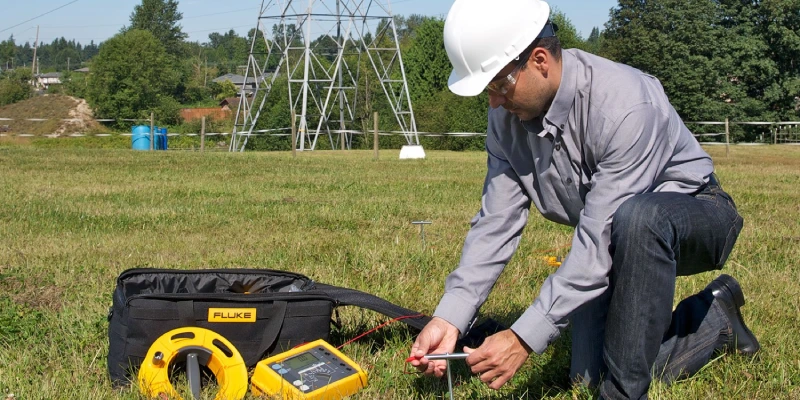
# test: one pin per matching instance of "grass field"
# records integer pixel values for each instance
(72, 219)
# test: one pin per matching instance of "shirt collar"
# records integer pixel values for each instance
(536, 126)
(565, 96)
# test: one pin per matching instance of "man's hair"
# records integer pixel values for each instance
(551, 44)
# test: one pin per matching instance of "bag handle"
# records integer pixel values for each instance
(270, 333)
(352, 297)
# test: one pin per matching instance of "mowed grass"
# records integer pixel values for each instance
(71, 220)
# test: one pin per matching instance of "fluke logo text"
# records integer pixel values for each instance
(231, 315)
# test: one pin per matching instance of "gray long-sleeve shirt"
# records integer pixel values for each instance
(610, 134)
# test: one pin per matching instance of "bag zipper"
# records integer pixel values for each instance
(137, 271)
(238, 298)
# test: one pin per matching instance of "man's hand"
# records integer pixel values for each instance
(439, 336)
(498, 358)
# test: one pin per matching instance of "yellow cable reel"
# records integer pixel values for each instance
(198, 346)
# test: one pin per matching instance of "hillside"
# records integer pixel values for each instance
(54, 109)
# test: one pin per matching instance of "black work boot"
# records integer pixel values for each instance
(728, 293)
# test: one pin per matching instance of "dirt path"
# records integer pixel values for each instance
(80, 119)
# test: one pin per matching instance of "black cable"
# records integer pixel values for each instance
(38, 16)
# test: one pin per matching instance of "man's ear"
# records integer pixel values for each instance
(541, 59)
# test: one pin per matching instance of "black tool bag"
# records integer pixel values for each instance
(261, 312)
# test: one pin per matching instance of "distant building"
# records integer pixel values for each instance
(45, 80)
(239, 82)
(84, 70)
(230, 103)
(217, 113)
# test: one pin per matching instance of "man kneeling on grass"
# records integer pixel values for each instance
(598, 146)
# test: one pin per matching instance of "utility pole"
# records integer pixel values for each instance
(67, 64)
(35, 46)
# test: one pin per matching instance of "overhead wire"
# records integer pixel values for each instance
(219, 13)
(39, 16)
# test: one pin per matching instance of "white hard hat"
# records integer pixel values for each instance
(481, 37)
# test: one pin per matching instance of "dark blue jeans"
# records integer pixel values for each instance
(631, 334)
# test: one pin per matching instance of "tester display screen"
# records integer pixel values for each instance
(301, 361)
(313, 371)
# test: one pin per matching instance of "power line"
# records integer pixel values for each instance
(219, 29)
(111, 25)
(221, 13)
(38, 16)
(79, 26)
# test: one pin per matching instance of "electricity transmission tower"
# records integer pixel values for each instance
(328, 53)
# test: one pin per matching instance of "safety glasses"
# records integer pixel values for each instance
(504, 84)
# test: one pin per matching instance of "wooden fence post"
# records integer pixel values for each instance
(375, 134)
(294, 136)
(727, 137)
(203, 135)
(775, 134)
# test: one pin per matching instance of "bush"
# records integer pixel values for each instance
(195, 126)
(197, 94)
(15, 86)
(167, 110)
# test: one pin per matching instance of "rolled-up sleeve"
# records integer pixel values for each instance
(491, 241)
(631, 155)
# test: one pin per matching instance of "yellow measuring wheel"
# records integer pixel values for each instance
(195, 346)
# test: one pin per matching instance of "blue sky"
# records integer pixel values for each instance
(86, 20)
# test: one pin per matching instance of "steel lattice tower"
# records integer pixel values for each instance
(320, 45)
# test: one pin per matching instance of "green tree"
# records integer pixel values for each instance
(89, 51)
(8, 50)
(716, 58)
(436, 108)
(15, 86)
(197, 88)
(60, 55)
(777, 22)
(224, 90)
(680, 43)
(276, 114)
(131, 77)
(226, 51)
(426, 63)
(594, 42)
(75, 84)
(24, 55)
(749, 73)
(567, 33)
(449, 113)
(160, 17)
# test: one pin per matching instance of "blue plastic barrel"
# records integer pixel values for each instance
(156, 138)
(140, 140)
(163, 142)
